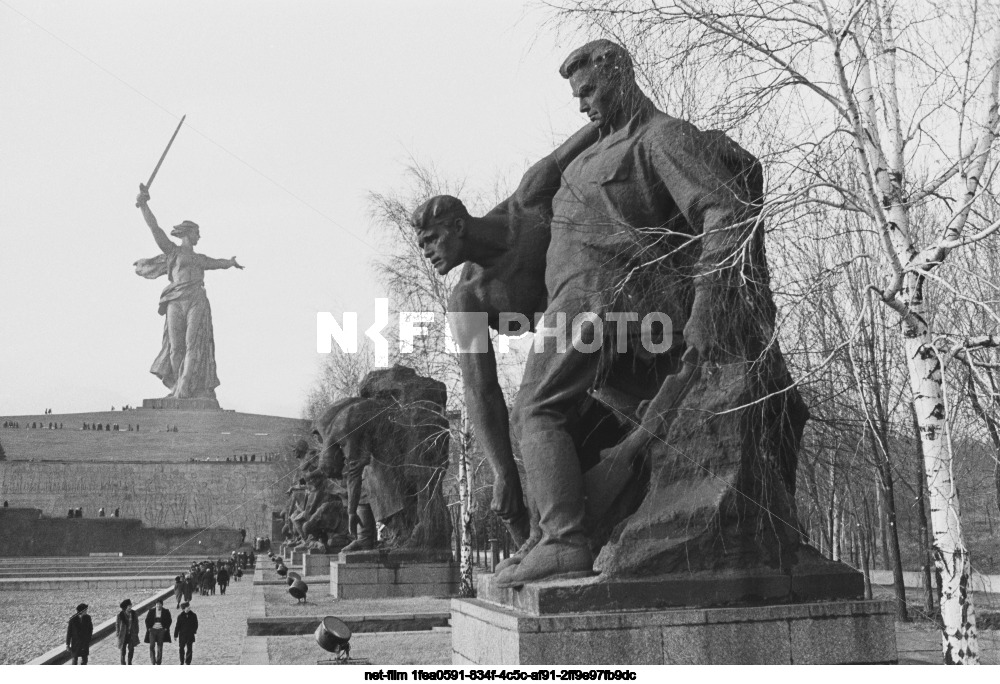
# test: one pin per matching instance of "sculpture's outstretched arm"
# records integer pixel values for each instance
(542, 180)
(487, 407)
(209, 264)
(162, 241)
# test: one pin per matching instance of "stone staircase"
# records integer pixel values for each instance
(95, 566)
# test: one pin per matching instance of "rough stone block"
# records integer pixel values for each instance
(375, 580)
(317, 564)
(844, 639)
(809, 581)
(820, 633)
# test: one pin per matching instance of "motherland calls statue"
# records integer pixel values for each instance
(695, 423)
(390, 446)
(186, 362)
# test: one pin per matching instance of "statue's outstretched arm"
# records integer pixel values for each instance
(540, 182)
(162, 241)
(208, 263)
(486, 405)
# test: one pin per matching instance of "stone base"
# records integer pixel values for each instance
(182, 404)
(821, 580)
(317, 564)
(394, 574)
(297, 557)
(835, 632)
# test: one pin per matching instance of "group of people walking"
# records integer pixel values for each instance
(108, 427)
(204, 576)
(158, 622)
(35, 425)
(78, 513)
(80, 632)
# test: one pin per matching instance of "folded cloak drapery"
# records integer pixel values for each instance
(199, 371)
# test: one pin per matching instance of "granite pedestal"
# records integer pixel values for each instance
(393, 574)
(317, 564)
(730, 617)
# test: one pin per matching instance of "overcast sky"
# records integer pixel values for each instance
(295, 111)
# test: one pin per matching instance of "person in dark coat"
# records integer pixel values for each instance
(78, 635)
(127, 631)
(184, 630)
(223, 578)
(179, 590)
(189, 587)
(158, 621)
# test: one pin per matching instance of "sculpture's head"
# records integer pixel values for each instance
(440, 223)
(187, 230)
(603, 79)
(315, 480)
(301, 448)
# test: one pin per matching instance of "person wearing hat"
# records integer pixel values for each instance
(184, 630)
(179, 589)
(186, 363)
(127, 631)
(158, 621)
(78, 635)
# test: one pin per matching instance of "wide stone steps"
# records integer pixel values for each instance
(95, 567)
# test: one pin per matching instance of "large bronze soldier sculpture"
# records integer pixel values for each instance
(504, 257)
(657, 216)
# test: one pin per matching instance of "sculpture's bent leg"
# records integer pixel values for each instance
(198, 376)
(433, 525)
(553, 385)
(176, 325)
(366, 530)
(563, 550)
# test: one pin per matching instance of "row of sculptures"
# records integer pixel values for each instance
(377, 459)
(634, 462)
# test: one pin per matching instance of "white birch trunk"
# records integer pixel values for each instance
(951, 559)
(467, 588)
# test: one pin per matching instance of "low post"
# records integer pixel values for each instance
(494, 553)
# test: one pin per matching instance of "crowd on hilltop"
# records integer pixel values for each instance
(35, 425)
(78, 513)
(204, 576)
(108, 427)
(252, 458)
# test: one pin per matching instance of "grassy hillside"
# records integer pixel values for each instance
(200, 435)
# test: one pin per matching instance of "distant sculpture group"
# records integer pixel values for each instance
(389, 449)
(653, 462)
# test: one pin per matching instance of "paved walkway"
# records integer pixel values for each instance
(222, 624)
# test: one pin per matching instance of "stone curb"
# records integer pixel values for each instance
(307, 624)
(53, 583)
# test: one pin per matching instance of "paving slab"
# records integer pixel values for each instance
(393, 648)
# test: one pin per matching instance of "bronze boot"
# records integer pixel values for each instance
(553, 469)
(529, 543)
(366, 530)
